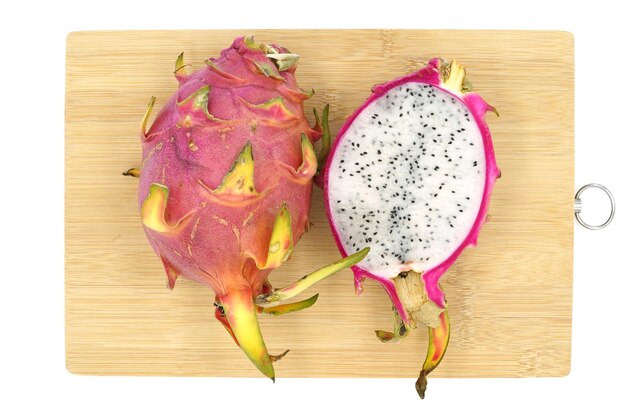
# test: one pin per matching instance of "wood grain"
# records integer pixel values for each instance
(510, 298)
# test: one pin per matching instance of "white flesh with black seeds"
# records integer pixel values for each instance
(407, 180)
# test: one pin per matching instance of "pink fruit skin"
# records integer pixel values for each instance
(478, 107)
(223, 243)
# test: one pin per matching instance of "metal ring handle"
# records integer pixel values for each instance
(578, 207)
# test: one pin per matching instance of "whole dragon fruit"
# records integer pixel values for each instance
(410, 176)
(225, 184)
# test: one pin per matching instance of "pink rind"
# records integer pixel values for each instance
(387, 284)
(478, 107)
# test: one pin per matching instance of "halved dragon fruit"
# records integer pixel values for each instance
(410, 176)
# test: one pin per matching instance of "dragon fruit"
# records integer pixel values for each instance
(410, 176)
(225, 184)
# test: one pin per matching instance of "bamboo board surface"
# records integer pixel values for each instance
(509, 298)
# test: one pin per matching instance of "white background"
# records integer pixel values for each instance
(32, 370)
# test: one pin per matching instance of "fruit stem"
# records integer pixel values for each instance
(285, 293)
(438, 338)
(240, 314)
(323, 153)
(400, 330)
(288, 308)
(132, 172)
(146, 116)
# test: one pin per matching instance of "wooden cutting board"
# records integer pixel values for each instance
(510, 298)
